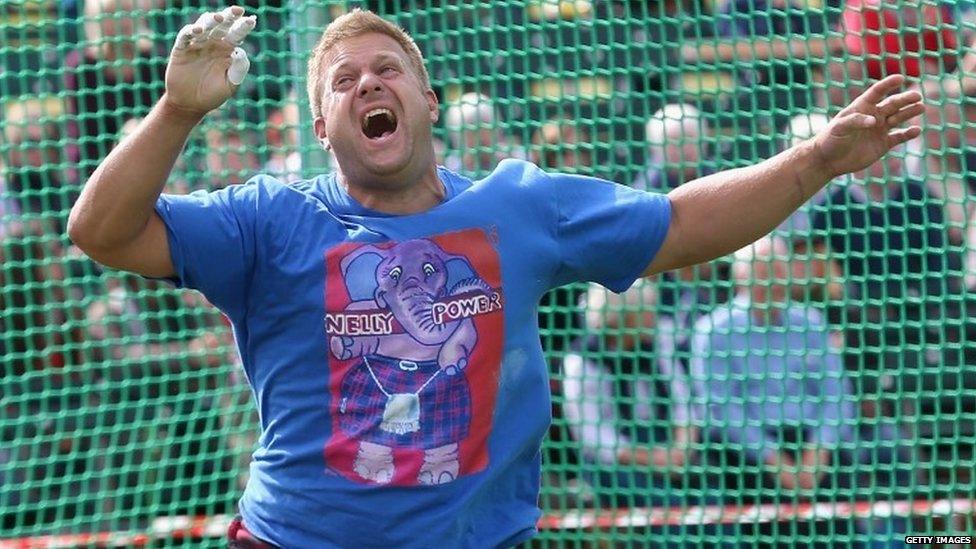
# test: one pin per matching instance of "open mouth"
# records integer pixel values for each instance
(379, 123)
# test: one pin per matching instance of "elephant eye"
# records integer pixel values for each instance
(428, 269)
(395, 273)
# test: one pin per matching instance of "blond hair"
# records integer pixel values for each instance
(357, 23)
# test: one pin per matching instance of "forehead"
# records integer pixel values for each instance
(362, 49)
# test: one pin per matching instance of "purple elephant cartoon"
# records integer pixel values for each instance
(406, 392)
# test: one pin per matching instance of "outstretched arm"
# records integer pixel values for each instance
(721, 213)
(114, 220)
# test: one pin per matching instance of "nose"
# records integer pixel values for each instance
(369, 84)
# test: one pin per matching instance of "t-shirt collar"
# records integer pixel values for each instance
(341, 202)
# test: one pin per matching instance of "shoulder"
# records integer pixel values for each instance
(517, 172)
(261, 192)
(258, 187)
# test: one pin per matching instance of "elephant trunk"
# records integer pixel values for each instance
(414, 311)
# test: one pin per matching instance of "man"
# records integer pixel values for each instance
(477, 140)
(385, 314)
(780, 411)
(676, 148)
(650, 425)
(765, 372)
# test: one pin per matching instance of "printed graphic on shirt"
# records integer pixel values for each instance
(415, 338)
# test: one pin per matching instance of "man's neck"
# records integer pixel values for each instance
(428, 192)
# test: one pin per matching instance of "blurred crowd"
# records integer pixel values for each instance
(827, 359)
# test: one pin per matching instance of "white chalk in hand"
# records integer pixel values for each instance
(240, 29)
(239, 65)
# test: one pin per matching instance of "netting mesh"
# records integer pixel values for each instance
(816, 388)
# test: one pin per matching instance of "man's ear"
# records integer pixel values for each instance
(319, 127)
(433, 105)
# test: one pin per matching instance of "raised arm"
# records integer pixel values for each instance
(114, 220)
(721, 213)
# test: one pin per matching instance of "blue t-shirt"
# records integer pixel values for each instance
(395, 360)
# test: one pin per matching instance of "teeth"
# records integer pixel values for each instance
(376, 112)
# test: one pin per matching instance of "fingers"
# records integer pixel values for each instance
(240, 29)
(892, 104)
(208, 21)
(905, 114)
(903, 135)
(187, 35)
(228, 17)
(881, 89)
(229, 23)
(857, 121)
(239, 65)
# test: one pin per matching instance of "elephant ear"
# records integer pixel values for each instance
(458, 268)
(359, 271)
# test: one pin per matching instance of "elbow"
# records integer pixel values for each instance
(84, 233)
(78, 230)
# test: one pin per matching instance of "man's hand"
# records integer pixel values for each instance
(869, 127)
(206, 66)
(804, 476)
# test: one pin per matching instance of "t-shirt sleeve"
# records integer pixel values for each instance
(211, 241)
(606, 233)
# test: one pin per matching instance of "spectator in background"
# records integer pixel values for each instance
(915, 38)
(45, 451)
(816, 276)
(888, 232)
(140, 330)
(775, 50)
(773, 391)
(946, 156)
(676, 149)
(117, 74)
(477, 141)
(771, 386)
(677, 154)
(33, 164)
(560, 144)
(282, 138)
(231, 153)
(626, 407)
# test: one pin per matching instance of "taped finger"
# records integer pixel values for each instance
(190, 35)
(232, 13)
(208, 21)
(228, 17)
(184, 37)
(239, 65)
(241, 29)
(198, 36)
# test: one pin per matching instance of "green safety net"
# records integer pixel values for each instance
(817, 388)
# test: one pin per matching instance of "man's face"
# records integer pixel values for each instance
(376, 114)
